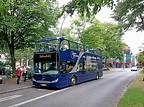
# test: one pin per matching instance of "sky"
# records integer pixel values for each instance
(132, 38)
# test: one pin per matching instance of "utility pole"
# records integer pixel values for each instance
(124, 58)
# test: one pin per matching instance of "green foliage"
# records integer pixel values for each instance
(93, 35)
(24, 54)
(104, 35)
(129, 14)
(86, 7)
(24, 21)
(1, 64)
(79, 24)
(11, 75)
(140, 58)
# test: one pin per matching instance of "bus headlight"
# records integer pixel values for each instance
(56, 80)
(33, 80)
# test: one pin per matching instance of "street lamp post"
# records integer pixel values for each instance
(124, 58)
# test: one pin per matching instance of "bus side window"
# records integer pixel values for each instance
(79, 68)
(62, 67)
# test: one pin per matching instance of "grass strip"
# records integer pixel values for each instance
(134, 96)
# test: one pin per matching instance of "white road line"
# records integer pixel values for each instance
(9, 97)
(22, 103)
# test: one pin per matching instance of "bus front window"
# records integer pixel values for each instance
(49, 68)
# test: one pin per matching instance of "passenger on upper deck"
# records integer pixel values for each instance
(41, 48)
(47, 48)
(52, 48)
(64, 47)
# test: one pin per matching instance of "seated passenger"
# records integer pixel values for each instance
(41, 48)
(64, 47)
(52, 48)
(47, 48)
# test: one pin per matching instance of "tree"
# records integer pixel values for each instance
(86, 7)
(140, 58)
(106, 36)
(129, 14)
(92, 35)
(24, 21)
(79, 24)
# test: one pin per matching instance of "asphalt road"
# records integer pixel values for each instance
(104, 92)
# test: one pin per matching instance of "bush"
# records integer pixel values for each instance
(29, 74)
(10, 75)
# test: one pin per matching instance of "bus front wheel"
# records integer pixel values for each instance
(97, 76)
(73, 80)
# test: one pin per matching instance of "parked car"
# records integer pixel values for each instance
(105, 68)
(1, 80)
(134, 68)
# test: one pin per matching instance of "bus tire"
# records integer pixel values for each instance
(97, 76)
(73, 80)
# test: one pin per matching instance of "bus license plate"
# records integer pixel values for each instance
(43, 84)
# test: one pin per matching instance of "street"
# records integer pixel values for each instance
(104, 92)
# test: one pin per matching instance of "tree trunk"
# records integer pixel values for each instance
(13, 60)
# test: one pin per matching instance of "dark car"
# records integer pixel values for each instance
(2, 70)
(1, 80)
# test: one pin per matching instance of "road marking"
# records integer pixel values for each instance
(9, 97)
(22, 103)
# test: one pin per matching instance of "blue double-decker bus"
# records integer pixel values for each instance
(59, 62)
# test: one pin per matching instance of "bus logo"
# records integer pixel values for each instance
(73, 55)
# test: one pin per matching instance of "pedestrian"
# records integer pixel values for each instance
(24, 73)
(18, 73)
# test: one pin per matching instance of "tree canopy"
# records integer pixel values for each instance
(130, 14)
(140, 58)
(24, 21)
(86, 7)
(106, 36)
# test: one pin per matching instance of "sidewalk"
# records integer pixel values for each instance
(10, 85)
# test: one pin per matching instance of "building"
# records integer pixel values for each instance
(128, 59)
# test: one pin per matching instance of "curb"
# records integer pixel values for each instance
(15, 89)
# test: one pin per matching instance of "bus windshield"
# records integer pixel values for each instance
(49, 68)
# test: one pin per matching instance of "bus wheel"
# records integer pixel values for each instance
(73, 80)
(97, 76)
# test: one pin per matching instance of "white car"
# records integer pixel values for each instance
(134, 68)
